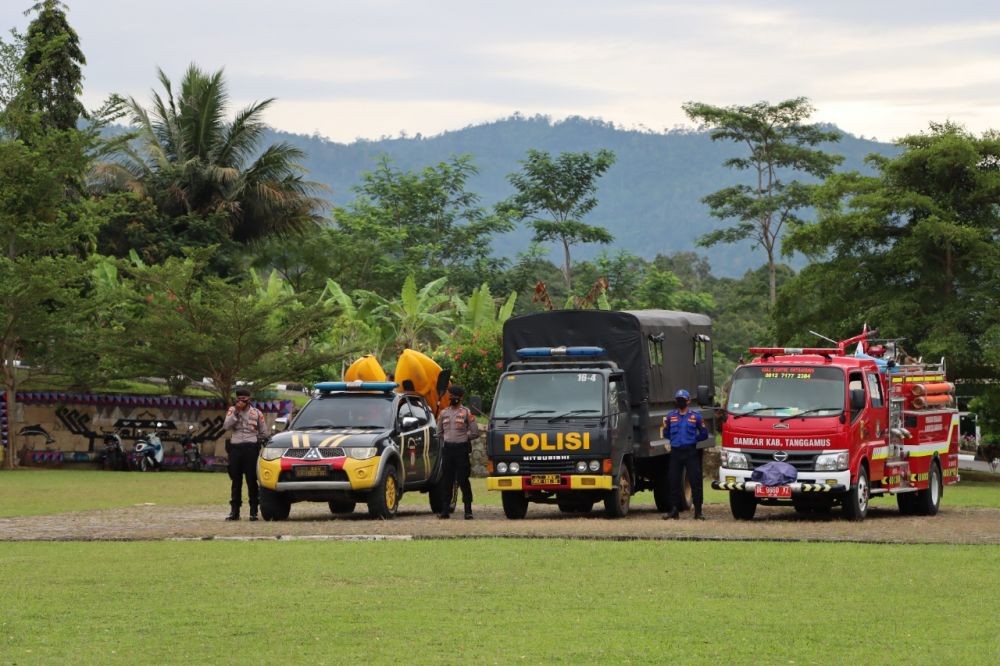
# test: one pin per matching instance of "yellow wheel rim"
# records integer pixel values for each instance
(390, 492)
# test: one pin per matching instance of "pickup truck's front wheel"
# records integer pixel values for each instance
(384, 498)
(274, 506)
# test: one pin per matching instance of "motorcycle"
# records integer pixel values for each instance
(113, 457)
(192, 453)
(148, 452)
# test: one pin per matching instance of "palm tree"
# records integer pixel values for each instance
(189, 160)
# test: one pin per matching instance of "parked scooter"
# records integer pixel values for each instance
(113, 457)
(192, 452)
(148, 452)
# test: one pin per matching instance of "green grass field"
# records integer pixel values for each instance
(498, 601)
(477, 601)
(33, 492)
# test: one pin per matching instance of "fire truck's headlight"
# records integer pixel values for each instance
(501, 468)
(515, 468)
(595, 465)
(272, 452)
(734, 460)
(832, 462)
(581, 466)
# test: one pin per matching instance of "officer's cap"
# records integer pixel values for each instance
(682, 393)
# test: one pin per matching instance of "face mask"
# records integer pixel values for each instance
(681, 403)
(456, 401)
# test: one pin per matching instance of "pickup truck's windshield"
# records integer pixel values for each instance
(786, 391)
(346, 410)
(544, 394)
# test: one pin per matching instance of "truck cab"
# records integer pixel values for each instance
(577, 413)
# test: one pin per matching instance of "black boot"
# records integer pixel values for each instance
(234, 514)
(443, 515)
(673, 514)
(253, 513)
(468, 512)
(698, 515)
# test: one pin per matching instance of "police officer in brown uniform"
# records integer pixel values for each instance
(248, 426)
(458, 429)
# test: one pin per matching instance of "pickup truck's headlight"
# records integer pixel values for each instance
(360, 452)
(272, 452)
(734, 460)
(832, 462)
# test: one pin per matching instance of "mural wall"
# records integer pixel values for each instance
(54, 427)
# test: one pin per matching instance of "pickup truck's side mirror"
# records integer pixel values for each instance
(279, 424)
(409, 423)
(703, 396)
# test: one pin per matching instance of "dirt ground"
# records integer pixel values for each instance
(313, 521)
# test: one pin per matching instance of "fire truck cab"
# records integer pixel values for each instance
(853, 427)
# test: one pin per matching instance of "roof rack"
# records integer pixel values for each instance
(329, 387)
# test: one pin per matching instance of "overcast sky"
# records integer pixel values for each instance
(370, 68)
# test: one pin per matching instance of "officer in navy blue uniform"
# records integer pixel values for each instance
(684, 429)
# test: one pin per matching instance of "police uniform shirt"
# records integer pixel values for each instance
(247, 425)
(458, 425)
(684, 429)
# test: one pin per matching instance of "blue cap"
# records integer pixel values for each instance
(682, 394)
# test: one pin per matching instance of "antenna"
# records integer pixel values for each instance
(820, 335)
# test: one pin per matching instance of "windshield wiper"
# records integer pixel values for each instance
(318, 427)
(571, 412)
(810, 411)
(528, 413)
(754, 411)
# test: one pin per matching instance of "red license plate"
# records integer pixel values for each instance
(775, 492)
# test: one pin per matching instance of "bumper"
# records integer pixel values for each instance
(567, 482)
(361, 475)
(816, 482)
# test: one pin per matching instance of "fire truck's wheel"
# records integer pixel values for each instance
(438, 496)
(341, 506)
(929, 501)
(617, 502)
(742, 505)
(515, 504)
(907, 503)
(274, 506)
(384, 498)
(856, 501)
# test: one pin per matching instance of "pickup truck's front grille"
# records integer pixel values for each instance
(329, 452)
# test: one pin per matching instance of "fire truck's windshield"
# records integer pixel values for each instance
(787, 391)
(547, 393)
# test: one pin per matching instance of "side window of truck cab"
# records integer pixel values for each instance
(874, 389)
(856, 394)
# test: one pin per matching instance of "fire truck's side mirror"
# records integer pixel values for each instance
(857, 400)
(704, 397)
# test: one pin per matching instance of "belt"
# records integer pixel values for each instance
(243, 443)
(455, 443)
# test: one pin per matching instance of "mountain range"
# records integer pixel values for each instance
(650, 199)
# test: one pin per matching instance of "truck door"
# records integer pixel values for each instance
(878, 423)
(414, 440)
(619, 421)
(857, 403)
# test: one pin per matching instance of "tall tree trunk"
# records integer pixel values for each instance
(772, 275)
(566, 267)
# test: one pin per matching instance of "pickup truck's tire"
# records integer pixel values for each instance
(742, 505)
(439, 497)
(342, 506)
(857, 498)
(515, 504)
(617, 503)
(384, 498)
(929, 501)
(274, 506)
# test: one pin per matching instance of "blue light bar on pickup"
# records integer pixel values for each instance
(327, 387)
(548, 352)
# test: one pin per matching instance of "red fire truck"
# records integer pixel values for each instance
(853, 425)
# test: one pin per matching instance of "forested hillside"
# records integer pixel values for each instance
(650, 199)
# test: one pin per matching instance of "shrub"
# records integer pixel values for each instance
(476, 362)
